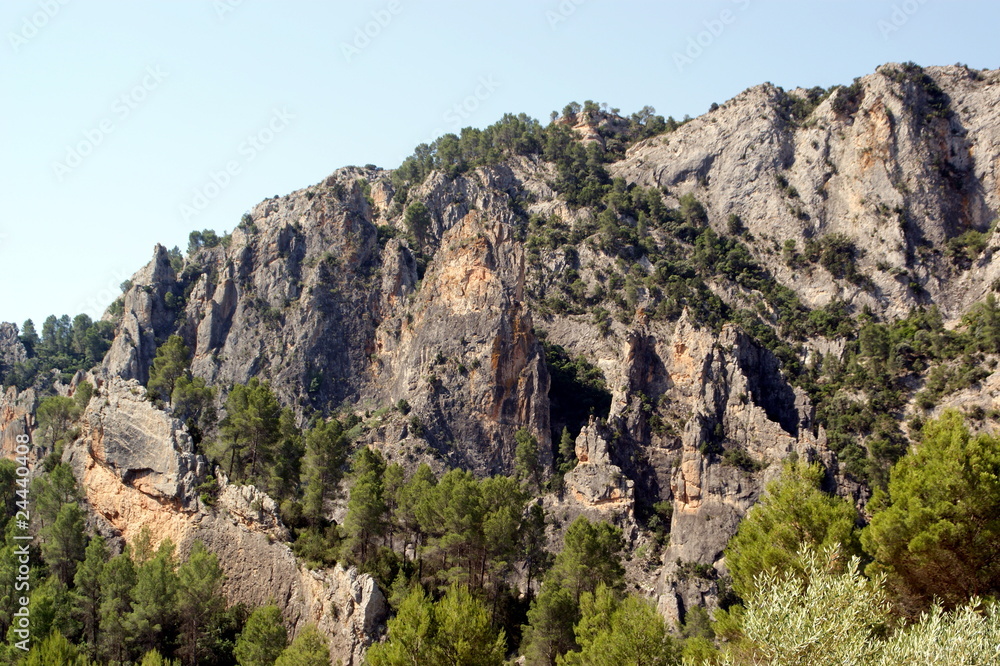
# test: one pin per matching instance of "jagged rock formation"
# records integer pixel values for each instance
(11, 349)
(595, 481)
(881, 162)
(17, 417)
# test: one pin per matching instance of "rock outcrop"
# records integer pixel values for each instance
(11, 349)
(17, 418)
(138, 469)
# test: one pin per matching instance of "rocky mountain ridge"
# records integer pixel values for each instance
(875, 198)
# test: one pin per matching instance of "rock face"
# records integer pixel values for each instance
(465, 354)
(304, 296)
(595, 481)
(146, 318)
(879, 163)
(138, 469)
(11, 349)
(17, 417)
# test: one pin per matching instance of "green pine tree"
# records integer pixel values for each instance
(935, 533)
(567, 451)
(154, 599)
(527, 467)
(365, 519)
(792, 512)
(55, 650)
(87, 582)
(326, 453)
(250, 431)
(308, 649)
(263, 638)
(590, 556)
(410, 633)
(171, 363)
(199, 603)
(64, 542)
(614, 631)
(116, 582)
(154, 658)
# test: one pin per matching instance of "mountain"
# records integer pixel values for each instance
(800, 274)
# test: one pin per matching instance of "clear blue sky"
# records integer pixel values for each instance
(115, 114)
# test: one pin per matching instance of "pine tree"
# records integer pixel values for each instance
(792, 512)
(410, 634)
(567, 451)
(263, 638)
(392, 481)
(88, 590)
(116, 581)
(64, 542)
(286, 471)
(250, 430)
(52, 491)
(533, 541)
(171, 363)
(326, 453)
(936, 533)
(549, 632)
(614, 631)
(308, 649)
(55, 650)
(455, 630)
(51, 609)
(409, 497)
(154, 658)
(154, 599)
(141, 547)
(364, 521)
(55, 414)
(527, 467)
(199, 603)
(590, 556)
(464, 631)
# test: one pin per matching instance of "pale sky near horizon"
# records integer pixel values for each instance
(118, 116)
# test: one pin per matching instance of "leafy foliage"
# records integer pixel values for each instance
(308, 649)
(65, 345)
(837, 616)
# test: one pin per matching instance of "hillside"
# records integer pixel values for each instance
(642, 320)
